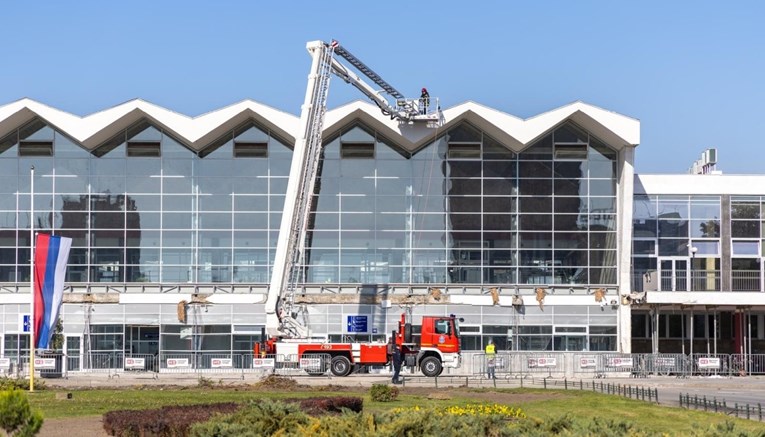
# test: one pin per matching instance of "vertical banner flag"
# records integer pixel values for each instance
(51, 255)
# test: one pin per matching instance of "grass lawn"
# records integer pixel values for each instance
(537, 403)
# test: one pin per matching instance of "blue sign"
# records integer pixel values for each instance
(26, 323)
(357, 324)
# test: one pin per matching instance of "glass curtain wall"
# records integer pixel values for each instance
(142, 207)
(465, 209)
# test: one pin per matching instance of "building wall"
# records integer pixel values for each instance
(461, 211)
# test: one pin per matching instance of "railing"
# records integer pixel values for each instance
(705, 280)
(748, 411)
(745, 280)
(699, 280)
(605, 364)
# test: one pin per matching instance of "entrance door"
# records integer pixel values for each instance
(73, 348)
(673, 274)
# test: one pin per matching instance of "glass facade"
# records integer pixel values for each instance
(463, 209)
(144, 208)
(678, 236)
(682, 238)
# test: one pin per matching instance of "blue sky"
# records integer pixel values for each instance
(692, 72)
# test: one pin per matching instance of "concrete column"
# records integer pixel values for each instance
(626, 180)
(725, 246)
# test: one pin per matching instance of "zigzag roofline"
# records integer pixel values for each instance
(198, 132)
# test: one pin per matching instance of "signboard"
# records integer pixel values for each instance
(709, 363)
(5, 363)
(588, 362)
(542, 362)
(664, 362)
(135, 363)
(357, 324)
(218, 363)
(311, 364)
(619, 362)
(263, 363)
(25, 322)
(176, 363)
(45, 363)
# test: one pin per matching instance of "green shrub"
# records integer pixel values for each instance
(723, 429)
(16, 417)
(383, 393)
(20, 384)
(263, 417)
(281, 419)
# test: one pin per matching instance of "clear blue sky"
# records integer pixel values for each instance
(692, 72)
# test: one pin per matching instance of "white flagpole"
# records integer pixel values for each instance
(32, 282)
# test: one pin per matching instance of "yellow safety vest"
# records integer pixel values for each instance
(490, 349)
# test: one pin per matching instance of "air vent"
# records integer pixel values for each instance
(357, 150)
(36, 148)
(571, 151)
(143, 149)
(464, 150)
(250, 150)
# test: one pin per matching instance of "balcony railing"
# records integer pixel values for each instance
(680, 280)
(701, 280)
(745, 280)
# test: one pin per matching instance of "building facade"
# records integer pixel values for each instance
(525, 228)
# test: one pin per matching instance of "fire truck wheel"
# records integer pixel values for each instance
(340, 366)
(431, 366)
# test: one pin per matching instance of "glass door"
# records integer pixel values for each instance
(73, 348)
(673, 273)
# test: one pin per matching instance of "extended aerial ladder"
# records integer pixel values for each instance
(281, 309)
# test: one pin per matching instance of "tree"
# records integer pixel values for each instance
(16, 417)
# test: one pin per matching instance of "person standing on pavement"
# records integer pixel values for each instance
(491, 359)
(398, 359)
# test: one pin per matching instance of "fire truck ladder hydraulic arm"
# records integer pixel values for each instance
(281, 308)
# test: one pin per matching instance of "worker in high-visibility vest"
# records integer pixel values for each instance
(491, 359)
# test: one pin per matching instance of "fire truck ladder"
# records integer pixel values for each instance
(288, 260)
(288, 270)
(404, 109)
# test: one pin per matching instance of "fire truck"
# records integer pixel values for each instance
(290, 340)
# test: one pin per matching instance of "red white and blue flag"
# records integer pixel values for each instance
(51, 255)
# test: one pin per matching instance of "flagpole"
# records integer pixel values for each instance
(32, 282)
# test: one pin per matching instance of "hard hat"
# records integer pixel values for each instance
(424, 90)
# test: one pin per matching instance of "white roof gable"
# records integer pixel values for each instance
(197, 132)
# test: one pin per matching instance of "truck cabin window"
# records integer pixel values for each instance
(442, 327)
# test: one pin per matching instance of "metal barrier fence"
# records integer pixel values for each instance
(601, 365)
(506, 364)
(744, 410)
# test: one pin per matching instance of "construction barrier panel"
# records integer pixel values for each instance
(547, 364)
